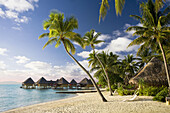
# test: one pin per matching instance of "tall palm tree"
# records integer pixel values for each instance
(61, 31)
(119, 4)
(154, 31)
(91, 39)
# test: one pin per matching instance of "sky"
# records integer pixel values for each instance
(21, 54)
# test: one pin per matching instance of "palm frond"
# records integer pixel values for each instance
(50, 41)
(119, 4)
(43, 35)
(103, 9)
(69, 46)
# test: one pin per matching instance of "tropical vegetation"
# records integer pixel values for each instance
(90, 38)
(119, 4)
(61, 31)
(154, 32)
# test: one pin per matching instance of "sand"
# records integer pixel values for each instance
(91, 103)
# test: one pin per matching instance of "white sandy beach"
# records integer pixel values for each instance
(91, 103)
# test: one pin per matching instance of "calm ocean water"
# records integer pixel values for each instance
(12, 96)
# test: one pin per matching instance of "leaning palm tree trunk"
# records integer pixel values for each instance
(165, 63)
(94, 83)
(108, 80)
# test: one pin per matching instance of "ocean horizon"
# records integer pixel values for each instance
(12, 96)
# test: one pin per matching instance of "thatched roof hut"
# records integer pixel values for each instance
(153, 74)
(42, 80)
(63, 81)
(57, 81)
(86, 83)
(73, 82)
(28, 81)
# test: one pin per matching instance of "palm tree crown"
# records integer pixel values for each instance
(154, 30)
(61, 29)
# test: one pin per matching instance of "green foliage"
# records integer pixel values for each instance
(161, 95)
(128, 92)
(149, 91)
(122, 91)
(114, 87)
(129, 86)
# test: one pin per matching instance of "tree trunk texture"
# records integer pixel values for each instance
(94, 83)
(165, 63)
(108, 80)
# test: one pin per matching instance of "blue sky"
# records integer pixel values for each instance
(21, 54)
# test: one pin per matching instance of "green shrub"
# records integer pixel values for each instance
(129, 86)
(120, 91)
(149, 91)
(161, 95)
(114, 87)
(128, 92)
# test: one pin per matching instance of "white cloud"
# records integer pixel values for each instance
(37, 69)
(21, 59)
(130, 33)
(11, 14)
(38, 65)
(116, 33)
(23, 19)
(84, 54)
(2, 65)
(120, 45)
(2, 13)
(14, 8)
(17, 28)
(103, 37)
(3, 51)
(17, 5)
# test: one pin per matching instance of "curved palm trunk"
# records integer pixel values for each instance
(94, 83)
(108, 80)
(165, 63)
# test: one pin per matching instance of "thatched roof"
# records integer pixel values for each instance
(51, 82)
(86, 81)
(29, 81)
(152, 74)
(57, 81)
(42, 80)
(63, 81)
(73, 82)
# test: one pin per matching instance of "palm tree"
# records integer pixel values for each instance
(130, 67)
(119, 4)
(91, 39)
(93, 62)
(61, 30)
(154, 31)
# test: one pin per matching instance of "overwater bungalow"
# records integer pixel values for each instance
(51, 84)
(42, 83)
(62, 83)
(28, 84)
(153, 74)
(86, 83)
(73, 84)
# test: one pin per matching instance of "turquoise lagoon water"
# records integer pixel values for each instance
(12, 96)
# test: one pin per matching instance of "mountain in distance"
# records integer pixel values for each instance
(10, 82)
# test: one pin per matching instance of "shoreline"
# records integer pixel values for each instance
(13, 109)
(92, 103)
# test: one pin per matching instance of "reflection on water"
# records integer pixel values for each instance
(12, 96)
